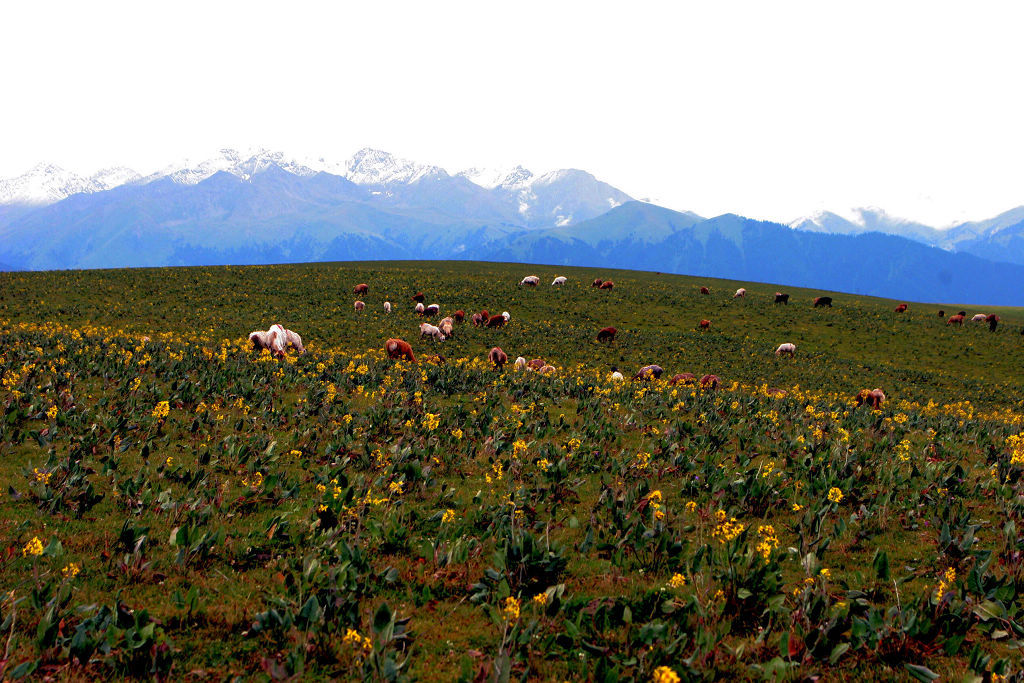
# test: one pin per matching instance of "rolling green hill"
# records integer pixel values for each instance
(177, 503)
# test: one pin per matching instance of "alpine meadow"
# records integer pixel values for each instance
(180, 505)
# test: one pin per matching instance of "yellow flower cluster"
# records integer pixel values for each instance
(664, 674)
(677, 581)
(52, 413)
(353, 637)
(544, 464)
(448, 517)
(162, 410)
(510, 609)
(540, 599)
(835, 495)
(33, 547)
(655, 500)
(947, 581)
(768, 541)
(255, 482)
(430, 421)
(71, 570)
(1015, 443)
(42, 476)
(726, 528)
(457, 433)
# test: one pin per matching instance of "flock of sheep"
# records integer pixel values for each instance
(278, 339)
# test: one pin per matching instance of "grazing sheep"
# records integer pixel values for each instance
(820, 301)
(506, 316)
(277, 339)
(597, 282)
(428, 330)
(993, 322)
(709, 382)
(496, 321)
(361, 288)
(478, 319)
(979, 318)
(704, 324)
(396, 348)
(535, 364)
(360, 305)
(786, 349)
(607, 334)
(418, 297)
(420, 308)
(530, 281)
(558, 281)
(873, 397)
(616, 376)
(446, 326)
(957, 320)
(739, 293)
(963, 313)
(498, 357)
(705, 290)
(459, 315)
(607, 284)
(901, 308)
(682, 378)
(546, 369)
(387, 306)
(648, 372)
(942, 314)
(781, 298)
(431, 310)
(520, 363)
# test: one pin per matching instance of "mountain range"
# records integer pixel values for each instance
(265, 207)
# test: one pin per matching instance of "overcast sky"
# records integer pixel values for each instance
(769, 109)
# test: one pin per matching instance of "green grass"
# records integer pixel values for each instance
(933, 469)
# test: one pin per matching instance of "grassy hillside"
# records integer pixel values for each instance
(177, 503)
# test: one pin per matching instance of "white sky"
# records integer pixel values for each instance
(769, 109)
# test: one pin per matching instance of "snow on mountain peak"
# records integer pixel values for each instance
(44, 184)
(515, 178)
(375, 167)
(115, 176)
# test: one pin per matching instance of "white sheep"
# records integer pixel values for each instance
(560, 280)
(506, 316)
(277, 339)
(979, 318)
(387, 306)
(739, 292)
(419, 308)
(530, 281)
(520, 363)
(447, 325)
(428, 330)
(786, 349)
(360, 305)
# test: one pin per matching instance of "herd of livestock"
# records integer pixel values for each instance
(278, 339)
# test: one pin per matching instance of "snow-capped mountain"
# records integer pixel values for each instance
(867, 219)
(241, 164)
(44, 184)
(490, 178)
(115, 176)
(375, 167)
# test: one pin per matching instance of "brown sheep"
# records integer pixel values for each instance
(431, 310)
(901, 308)
(682, 378)
(705, 324)
(606, 334)
(993, 322)
(781, 298)
(418, 297)
(360, 305)
(477, 319)
(648, 372)
(607, 284)
(820, 301)
(459, 315)
(957, 320)
(362, 288)
(705, 290)
(873, 397)
(597, 282)
(498, 357)
(396, 348)
(942, 314)
(535, 364)
(709, 382)
(496, 321)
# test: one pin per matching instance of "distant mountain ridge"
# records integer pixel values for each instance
(265, 207)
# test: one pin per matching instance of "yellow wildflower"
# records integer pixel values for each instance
(33, 547)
